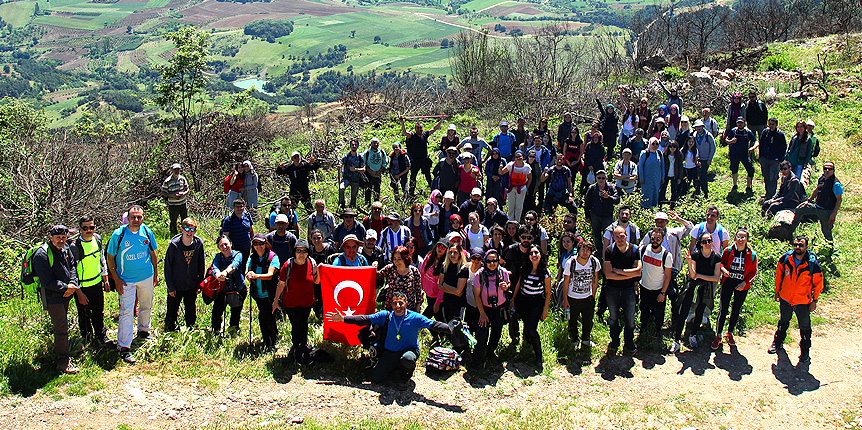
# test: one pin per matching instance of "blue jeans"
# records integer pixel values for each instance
(621, 300)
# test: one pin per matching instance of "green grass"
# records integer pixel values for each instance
(17, 14)
(477, 5)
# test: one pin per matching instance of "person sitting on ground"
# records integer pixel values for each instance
(791, 193)
(825, 201)
(400, 345)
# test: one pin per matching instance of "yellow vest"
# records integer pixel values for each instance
(90, 266)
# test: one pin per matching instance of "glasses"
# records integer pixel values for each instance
(494, 261)
(259, 244)
(706, 242)
(532, 156)
(301, 251)
(654, 144)
(411, 246)
(453, 252)
(526, 237)
(799, 245)
(784, 169)
(529, 219)
(191, 229)
(825, 168)
(239, 205)
(90, 228)
(416, 211)
(285, 205)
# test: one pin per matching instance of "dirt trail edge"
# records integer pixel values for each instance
(742, 389)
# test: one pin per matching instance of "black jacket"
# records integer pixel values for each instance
(596, 205)
(55, 279)
(184, 268)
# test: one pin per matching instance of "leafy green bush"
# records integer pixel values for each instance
(781, 60)
(672, 73)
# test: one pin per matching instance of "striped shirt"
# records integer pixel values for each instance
(534, 283)
(389, 239)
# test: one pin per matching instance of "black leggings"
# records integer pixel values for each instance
(298, 325)
(581, 310)
(219, 306)
(530, 307)
(266, 319)
(728, 293)
(684, 306)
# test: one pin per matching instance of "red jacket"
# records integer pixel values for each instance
(236, 185)
(798, 284)
(749, 261)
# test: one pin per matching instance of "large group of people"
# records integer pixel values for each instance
(478, 250)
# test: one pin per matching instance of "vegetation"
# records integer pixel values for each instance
(269, 29)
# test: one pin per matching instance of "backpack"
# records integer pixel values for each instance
(78, 253)
(563, 290)
(719, 230)
(290, 266)
(112, 286)
(29, 280)
(558, 180)
(445, 359)
(273, 208)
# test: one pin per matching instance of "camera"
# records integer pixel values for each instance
(492, 300)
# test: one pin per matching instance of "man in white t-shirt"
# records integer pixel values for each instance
(581, 281)
(720, 236)
(657, 268)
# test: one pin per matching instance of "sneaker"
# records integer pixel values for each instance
(692, 340)
(588, 344)
(729, 339)
(126, 355)
(749, 190)
(716, 343)
(69, 368)
(143, 335)
(773, 348)
(630, 350)
(675, 347)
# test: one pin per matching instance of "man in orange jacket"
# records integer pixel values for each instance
(798, 283)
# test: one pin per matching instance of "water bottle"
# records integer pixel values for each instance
(470, 339)
(568, 314)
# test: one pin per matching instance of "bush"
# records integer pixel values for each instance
(777, 61)
(671, 73)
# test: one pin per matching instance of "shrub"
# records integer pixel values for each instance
(671, 73)
(781, 60)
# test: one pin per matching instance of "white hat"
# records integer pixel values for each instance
(294, 154)
(449, 195)
(661, 215)
(476, 190)
(452, 127)
(374, 139)
(699, 123)
(810, 122)
(371, 234)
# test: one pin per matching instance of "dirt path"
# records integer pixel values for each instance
(743, 389)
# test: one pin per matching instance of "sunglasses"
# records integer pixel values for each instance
(191, 229)
(494, 261)
(90, 228)
(301, 251)
(535, 253)
(704, 242)
(526, 237)
(601, 178)
(798, 245)
(828, 168)
(784, 169)
(259, 243)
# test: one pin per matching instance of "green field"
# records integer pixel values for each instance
(17, 14)
(477, 5)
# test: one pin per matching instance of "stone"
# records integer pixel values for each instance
(731, 73)
(724, 83)
(704, 69)
(697, 79)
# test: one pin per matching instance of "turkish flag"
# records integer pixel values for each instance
(348, 291)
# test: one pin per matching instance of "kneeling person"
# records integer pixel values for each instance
(401, 341)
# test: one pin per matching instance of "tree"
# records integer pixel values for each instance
(181, 88)
(377, 39)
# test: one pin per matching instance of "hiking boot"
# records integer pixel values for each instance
(716, 343)
(729, 339)
(675, 347)
(630, 350)
(773, 348)
(749, 190)
(126, 355)
(614, 345)
(143, 335)
(588, 344)
(804, 358)
(692, 341)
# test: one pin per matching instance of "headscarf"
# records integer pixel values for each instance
(432, 198)
(673, 118)
(662, 110)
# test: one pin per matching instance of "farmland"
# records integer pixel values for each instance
(84, 35)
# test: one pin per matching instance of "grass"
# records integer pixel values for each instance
(17, 14)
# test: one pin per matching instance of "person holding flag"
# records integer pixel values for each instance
(399, 338)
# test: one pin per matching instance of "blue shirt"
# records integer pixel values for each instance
(258, 291)
(291, 217)
(505, 143)
(238, 230)
(133, 254)
(360, 261)
(222, 263)
(402, 332)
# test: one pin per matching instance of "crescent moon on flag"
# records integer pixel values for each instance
(348, 284)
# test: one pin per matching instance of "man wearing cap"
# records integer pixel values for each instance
(626, 172)
(348, 225)
(286, 208)
(54, 264)
(376, 161)
(321, 219)
(373, 253)
(375, 220)
(815, 142)
(174, 190)
(281, 240)
(393, 236)
(493, 215)
(477, 144)
(447, 171)
(772, 145)
(132, 262)
(705, 143)
(741, 143)
(297, 171)
(560, 188)
(505, 141)
(350, 255)
(473, 204)
(416, 145)
(399, 167)
(185, 266)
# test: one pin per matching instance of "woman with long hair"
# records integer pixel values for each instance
(573, 151)
(320, 251)
(512, 235)
(800, 149)
(704, 268)
(419, 228)
(429, 269)
(262, 282)
(296, 283)
(738, 268)
(452, 280)
(534, 190)
(629, 124)
(489, 287)
(477, 234)
(533, 297)
(226, 268)
(593, 159)
(400, 276)
(689, 165)
(412, 251)
(684, 134)
(673, 173)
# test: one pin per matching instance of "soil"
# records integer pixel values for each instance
(730, 388)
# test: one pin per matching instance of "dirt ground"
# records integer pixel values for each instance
(739, 388)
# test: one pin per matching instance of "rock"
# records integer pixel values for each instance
(770, 94)
(222, 407)
(697, 79)
(714, 73)
(780, 226)
(724, 76)
(297, 420)
(704, 69)
(724, 83)
(731, 73)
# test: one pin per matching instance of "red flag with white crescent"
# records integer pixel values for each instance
(348, 291)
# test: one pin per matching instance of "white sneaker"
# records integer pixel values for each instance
(588, 344)
(677, 345)
(692, 340)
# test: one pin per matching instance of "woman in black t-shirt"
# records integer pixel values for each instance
(704, 268)
(532, 298)
(451, 280)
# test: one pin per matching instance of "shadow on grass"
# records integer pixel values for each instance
(734, 363)
(735, 197)
(24, 379)
(796, 380)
